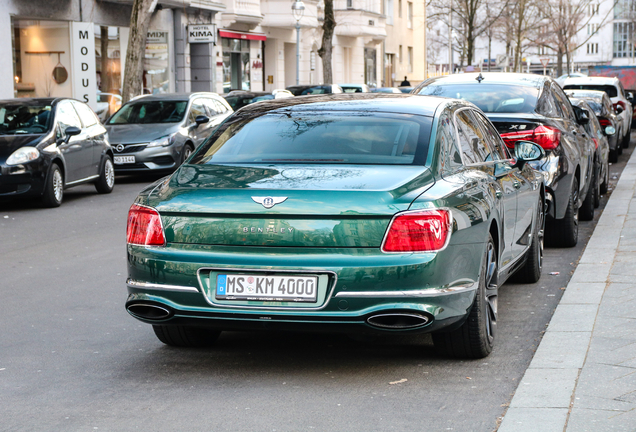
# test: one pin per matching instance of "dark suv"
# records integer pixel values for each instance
(525, 107)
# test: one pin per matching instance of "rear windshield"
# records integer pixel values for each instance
(609, 89)
(490, 98)
(19, 119)
(318, 137)
(147, 112)
(315, 91)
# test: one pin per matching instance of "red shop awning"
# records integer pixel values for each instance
(242, 35)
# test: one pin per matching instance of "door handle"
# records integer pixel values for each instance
(516, 184)
(498, 194)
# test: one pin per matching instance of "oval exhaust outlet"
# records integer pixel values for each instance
(148, 311)
(398, 321)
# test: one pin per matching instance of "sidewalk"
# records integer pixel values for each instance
(583, 375)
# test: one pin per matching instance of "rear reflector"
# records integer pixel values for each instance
(144, 227)
(418, 231)
(605, 121)
(547, 137)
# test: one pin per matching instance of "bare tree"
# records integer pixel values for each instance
(325, 51)
(142, 11)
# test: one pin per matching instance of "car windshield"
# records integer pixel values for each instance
(18, 119)
(319, 137)
(490, 98)
(262, 98)
(609, 89)
(315, 91)
(147, 112)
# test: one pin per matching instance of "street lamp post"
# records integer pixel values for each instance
(298, 9)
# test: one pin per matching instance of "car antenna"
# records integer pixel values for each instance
(479, 78)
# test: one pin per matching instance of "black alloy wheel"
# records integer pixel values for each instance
(565, 232)
(475, 338)
(531, 270)
(604, 186)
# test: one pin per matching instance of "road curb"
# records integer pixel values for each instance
(549, 395)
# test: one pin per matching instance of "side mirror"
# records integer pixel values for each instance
(582, 117)
(201, 119)
(526, 151)
(610, 130)
(71, 131)
(630, 97)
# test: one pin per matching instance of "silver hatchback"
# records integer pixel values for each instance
(159, 132)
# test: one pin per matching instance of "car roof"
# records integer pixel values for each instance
(357, 102)
(591, 80)
(36, 101)
(530, 80)
(174, 96)
(352, 85)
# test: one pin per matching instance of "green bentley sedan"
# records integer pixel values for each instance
(379, 213)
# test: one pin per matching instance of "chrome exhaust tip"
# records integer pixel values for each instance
(148, 311)
(398, 321)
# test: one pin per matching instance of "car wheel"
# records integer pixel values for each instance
(605, 184)
(613, 156)
(627, 139)
(565, 232)
(586, 212)
(187, 151)
(185, 336)
(106, 181)
(475, 338)
(597, 186)
(531, 270)
(54, 189)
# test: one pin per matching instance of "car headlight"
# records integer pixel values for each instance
(23, 155)
(164, 141)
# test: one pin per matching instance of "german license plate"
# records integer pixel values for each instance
(120, 160)
(267, 288)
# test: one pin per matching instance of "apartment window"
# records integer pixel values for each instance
(624, 9)
(592, 48)
(349, 4)
(592, 28)
(410, 50)
(592, 9)
(399, 8)
(542, 51)
(388, 11)
(623, 45)
(400, 53)
(409, 11)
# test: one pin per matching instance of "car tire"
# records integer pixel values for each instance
(106, 181)
(565, 232)
(54, 188)
(597, 187)
(613, 155)
(475, 338)
(187, 151)
(603, 187)
(186, 336)
(626, 139)
(586, 212)
(531, 270)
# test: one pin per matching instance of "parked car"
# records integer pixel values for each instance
(386, 90)
(560, 80)
(341, 213)
(159, 132)
(614, 89)
(51, 144)
(355, 88)
(302, 90)
(601, 105)
(534, 108)
(406, 89)
(107, 104)
(600, 179)
(239, 98)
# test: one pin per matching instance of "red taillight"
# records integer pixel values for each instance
(622, 104)
(547, 137)
(144, 227)
(595, 142)
(418, 231)
(605, 121)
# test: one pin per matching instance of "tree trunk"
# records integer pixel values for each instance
(559, 62)
(104, 72)
(133, 74)
(326, 49)
(489, 48)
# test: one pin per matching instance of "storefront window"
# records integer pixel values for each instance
(236, 64)
(41, 58)
(156, 68)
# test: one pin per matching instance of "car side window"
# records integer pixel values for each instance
(546, 105)
(493, 140)
(196, 110)
(66, 117)
(450, 158)
(222, 109)
(211, 106)
(86, 114)
(563, 102)
(470, 137)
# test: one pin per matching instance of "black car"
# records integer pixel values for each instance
(313, 89)
(525, 107)
(601, 104)
(50, 144)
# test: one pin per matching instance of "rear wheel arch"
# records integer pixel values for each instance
(494, 232)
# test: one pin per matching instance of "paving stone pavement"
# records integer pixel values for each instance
(583, 375)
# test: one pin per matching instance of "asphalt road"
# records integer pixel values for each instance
(72, 359)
